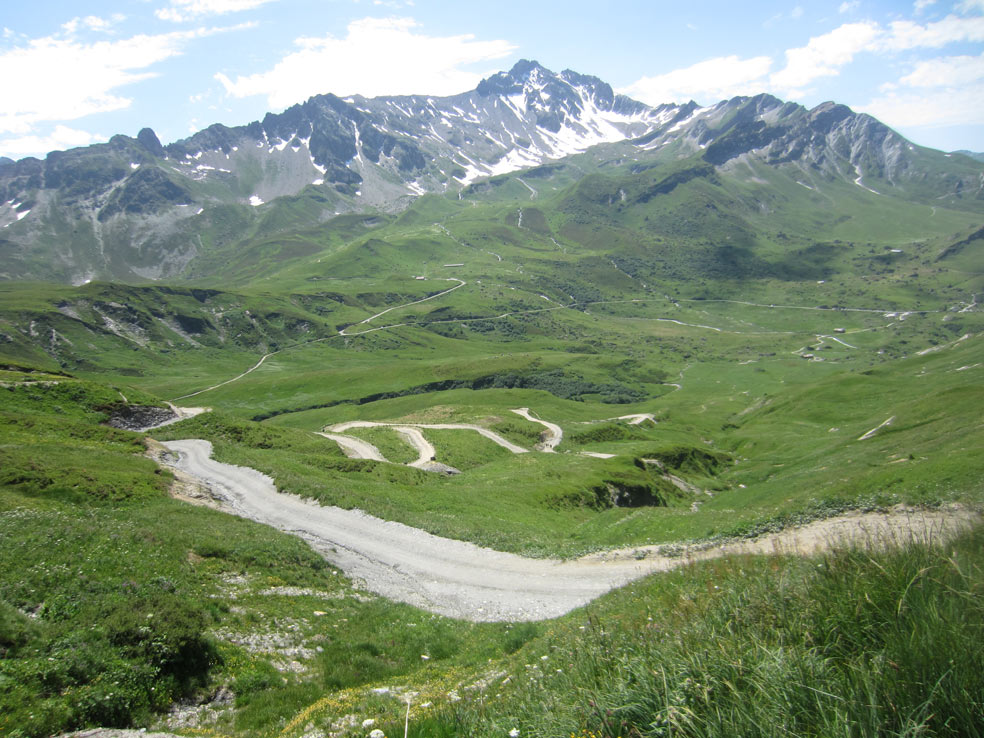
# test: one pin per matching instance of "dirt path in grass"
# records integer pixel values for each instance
(491, 435)
(461, 283)
(552, 437)
(252, 369)
(554, 433)
(355, 448)
(462, 580)
(343, 332)
(425, 451)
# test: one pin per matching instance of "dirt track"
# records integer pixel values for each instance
(425, 450)
(462, 580)
(355, 448)
(491, 435)
(552, 436)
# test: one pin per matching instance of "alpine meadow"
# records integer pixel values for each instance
(533, 410)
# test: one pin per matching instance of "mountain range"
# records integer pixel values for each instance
(135, 210)
(538, 317)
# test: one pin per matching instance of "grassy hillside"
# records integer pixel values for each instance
(105, 623)
(793, 348)
(116, 600)
(858, 643)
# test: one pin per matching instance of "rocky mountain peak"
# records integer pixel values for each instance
(826, 115)
(148, 139)
(524, 75)
(107, 202)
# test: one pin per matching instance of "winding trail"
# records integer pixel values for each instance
(229, 381)
(877, 428)
(491, 435)
(809, 307)
(347, 332)
(462, 580)
(344, 331)
(835, 338)
(554, 433)
(533, 193)
(427, 454)
(355, 448)
(425, 451)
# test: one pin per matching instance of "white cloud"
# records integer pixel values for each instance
(62, 137)
(919, 98)
(59, 78)
(921, 5)
(184, 10)
(940, 107)
(796, 12)
(823, 56)
(828, 54)
(379, 56)
(92, 23)
(904, 35)
(847, 7)
(969, 6)
(946, 91)
(947, 71)
(710, 80)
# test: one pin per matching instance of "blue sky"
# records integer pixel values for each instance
(76, 73)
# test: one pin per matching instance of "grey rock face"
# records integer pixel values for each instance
(133, 209)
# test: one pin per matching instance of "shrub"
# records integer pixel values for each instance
(166, 632)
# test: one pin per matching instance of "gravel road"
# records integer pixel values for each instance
(554, 433)
(491, 435)
(462, 580)
(355, 448)
(425, 450)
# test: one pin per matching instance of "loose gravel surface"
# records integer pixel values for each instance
(425, 450)
(462, 580)
(552, 436)
(485, 432)
(355, 448)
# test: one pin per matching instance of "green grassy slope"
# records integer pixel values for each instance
(767, 321)
(116, 600)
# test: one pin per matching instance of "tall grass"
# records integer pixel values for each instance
(855, 644)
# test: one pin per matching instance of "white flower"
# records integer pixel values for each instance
(514, 733)
(377, 733)
(368, 723)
